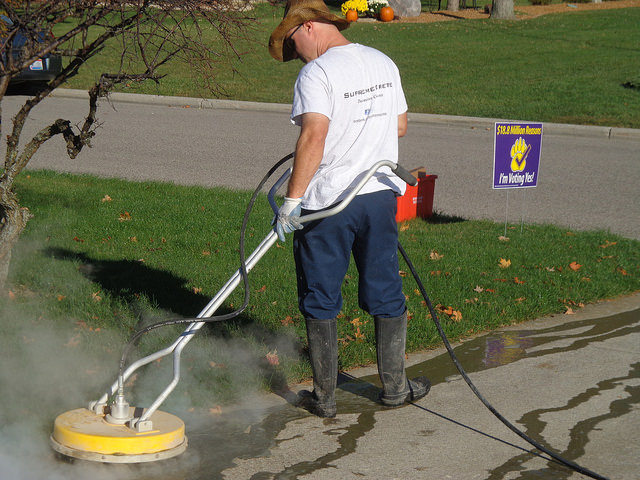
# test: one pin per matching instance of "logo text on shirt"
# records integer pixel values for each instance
(366, 91)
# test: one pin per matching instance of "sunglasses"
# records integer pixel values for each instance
(288, 41)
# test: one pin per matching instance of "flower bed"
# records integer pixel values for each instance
(365, 8)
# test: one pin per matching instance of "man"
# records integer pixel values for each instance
(349, 104)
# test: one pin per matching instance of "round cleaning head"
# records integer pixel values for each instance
(86, 435)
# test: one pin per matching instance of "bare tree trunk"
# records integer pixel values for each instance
(453, 5)
(502, 10)
(13, 220)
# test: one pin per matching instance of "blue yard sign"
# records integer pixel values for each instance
(516, 158)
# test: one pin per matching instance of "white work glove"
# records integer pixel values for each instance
(288, 217)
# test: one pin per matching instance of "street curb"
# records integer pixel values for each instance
(613, 133)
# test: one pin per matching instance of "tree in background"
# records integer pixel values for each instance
(502, 10)
(148, 33)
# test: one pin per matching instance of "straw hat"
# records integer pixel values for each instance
(296, 13)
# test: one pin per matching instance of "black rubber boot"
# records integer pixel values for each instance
(323, 353)
(391, 337)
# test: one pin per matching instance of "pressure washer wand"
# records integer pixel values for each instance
(207, 314)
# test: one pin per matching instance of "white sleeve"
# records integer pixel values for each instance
(311, 94)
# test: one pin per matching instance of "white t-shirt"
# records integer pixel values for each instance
(355, 87)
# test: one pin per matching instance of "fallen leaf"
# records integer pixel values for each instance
(550, 269)
(356, 322)
(608, 244)
(216, 365)
(359, 336)
(622, 271)
(471, 300)
(96, 297)
(12, 296)
(490, 290)
(61, 297)
(206, 253)
(288, 320)
(478, 289)
(404, 227)
(124, 217)
(133, 239)
(73, 341)
(272, 357)
(456, 316)
(444, 309)
(77, 239)
(435, 256)
(217, 410)
(571, 234)
(521, 299)
(502, 238)
(197, 290)
(504, 263)
(518, 281)
(262, 288)
(569, 311)
(402, 273)
(106, 198)
(574, 266)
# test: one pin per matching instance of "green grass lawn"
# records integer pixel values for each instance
(564, 68)
(101, 258)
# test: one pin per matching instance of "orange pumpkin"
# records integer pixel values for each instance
(386, 14)
(352, 15)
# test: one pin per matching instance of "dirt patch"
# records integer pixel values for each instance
(522, 12)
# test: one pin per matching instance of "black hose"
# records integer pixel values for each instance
(513, 428)
(243, 273)
(242, 308)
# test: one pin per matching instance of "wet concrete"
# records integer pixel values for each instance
(571, 384)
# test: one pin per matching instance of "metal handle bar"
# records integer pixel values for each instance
(400, 171)
(178, 345)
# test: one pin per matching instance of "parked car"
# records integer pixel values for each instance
(43, 69)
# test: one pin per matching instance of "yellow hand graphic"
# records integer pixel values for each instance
(519, 153)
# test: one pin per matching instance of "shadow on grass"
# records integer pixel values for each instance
(130, 280)
(441, 218)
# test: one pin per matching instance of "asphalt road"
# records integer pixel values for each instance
(588, 176)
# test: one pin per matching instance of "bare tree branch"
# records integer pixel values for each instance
(148, 34)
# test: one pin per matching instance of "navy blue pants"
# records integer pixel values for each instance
(322, 250)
